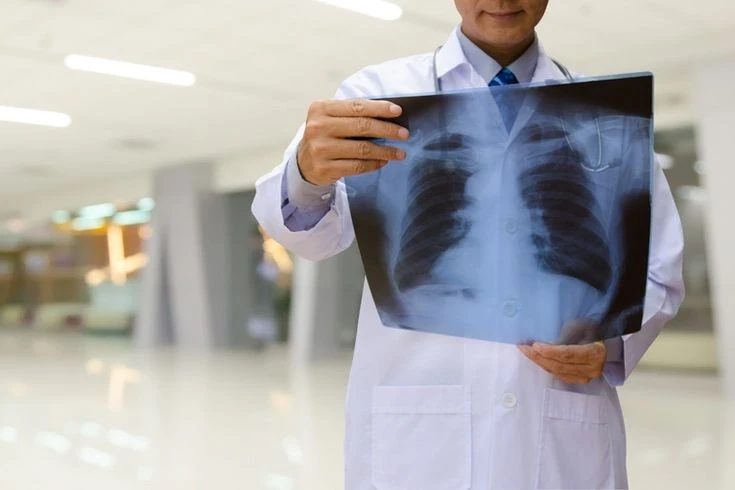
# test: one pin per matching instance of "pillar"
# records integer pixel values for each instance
(715, 115)
(196, 290)
(325, 306)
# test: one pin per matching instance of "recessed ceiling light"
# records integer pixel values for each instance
(147, 204)
(380, 9)
(130, 70)
(33, 116)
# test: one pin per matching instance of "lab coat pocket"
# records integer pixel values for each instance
(575, 446)
(421, 438)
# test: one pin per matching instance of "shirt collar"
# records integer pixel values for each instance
(459, 51)
(450, 56)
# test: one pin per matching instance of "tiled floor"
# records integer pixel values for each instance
(83, 413)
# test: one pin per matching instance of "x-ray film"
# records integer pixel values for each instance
(521, 214)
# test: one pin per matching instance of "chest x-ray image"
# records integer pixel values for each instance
(521, 214)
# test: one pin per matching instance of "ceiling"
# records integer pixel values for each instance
(259, 64)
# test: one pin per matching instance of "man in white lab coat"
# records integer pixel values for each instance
(436, 412)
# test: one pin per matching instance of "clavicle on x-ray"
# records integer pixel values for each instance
(533, 227)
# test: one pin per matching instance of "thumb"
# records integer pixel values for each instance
(579, 332)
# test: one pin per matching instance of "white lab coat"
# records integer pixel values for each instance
(432, 412)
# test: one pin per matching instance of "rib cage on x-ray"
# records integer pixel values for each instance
(518, 235)
(567, 234)
(434, 221)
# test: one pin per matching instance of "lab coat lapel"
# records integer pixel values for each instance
(546, 71)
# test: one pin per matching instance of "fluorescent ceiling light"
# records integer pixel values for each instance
(98, 211)
(32, 116)
(130, 70)
(380, 9)
(87, 224)
(134, 217)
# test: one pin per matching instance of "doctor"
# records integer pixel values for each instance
(431, 412)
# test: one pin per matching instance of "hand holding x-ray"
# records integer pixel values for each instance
(577, 358)
(573, 364)
(335, 142)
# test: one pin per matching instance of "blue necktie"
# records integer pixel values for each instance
(508, 110)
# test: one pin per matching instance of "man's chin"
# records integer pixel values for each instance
(504, 36)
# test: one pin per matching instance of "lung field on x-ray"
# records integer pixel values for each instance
(545, 217)
(567, 233)
(434, 221)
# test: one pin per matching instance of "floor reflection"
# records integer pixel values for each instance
(88, 413)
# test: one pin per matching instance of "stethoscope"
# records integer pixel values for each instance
(567, 74)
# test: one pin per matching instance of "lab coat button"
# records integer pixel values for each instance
(510, 309)
(511, 226)
(509, 400)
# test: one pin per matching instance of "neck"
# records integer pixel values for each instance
(504, 54)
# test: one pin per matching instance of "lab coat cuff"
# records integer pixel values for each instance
(614, 371)
(614, 349)
(304, 195)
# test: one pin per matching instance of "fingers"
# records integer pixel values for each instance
(567, 372)
(346, 168)
(568, 354)
(365, 127)
(590, 357)
(586, 359)
(552, 365)
(336, 169)
(341, 149)
(358, 108)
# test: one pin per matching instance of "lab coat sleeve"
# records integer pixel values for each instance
(331, 234)
(665, 286)
(303, 204)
